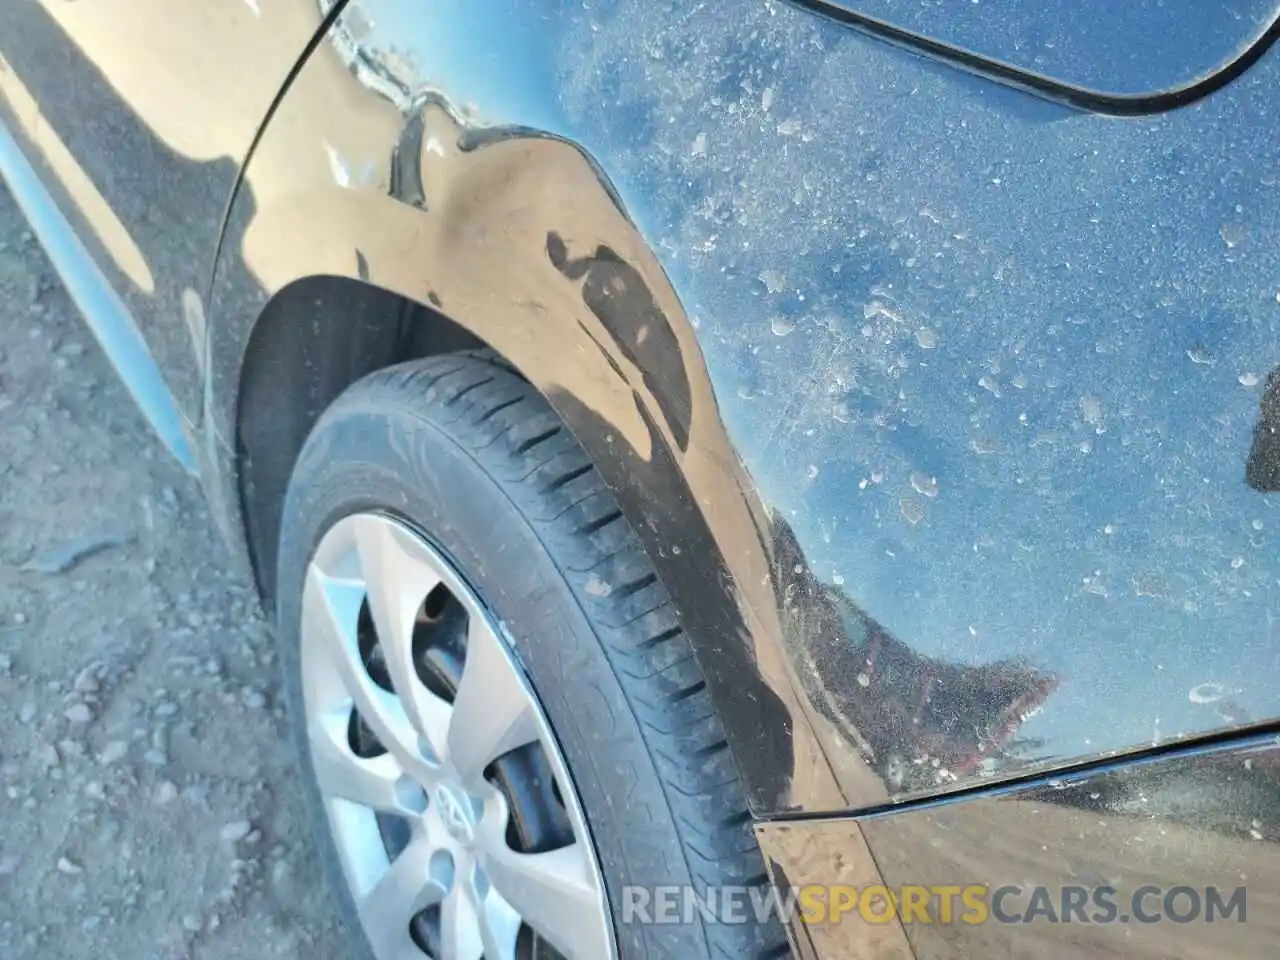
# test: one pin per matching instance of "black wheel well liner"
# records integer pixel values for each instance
(312, 340)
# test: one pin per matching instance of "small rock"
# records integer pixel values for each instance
(155, 757)
(6, 664)
(196, 793)
(46, 754)
(78, 713)
(166, 709)
(62, 557)
(192, 923)
(27, 712)
(69, 867)
(8, 864)
(253, 698)
(280, 873)
(235, 831)
(113, 751)
(87, 680)
(166, 792)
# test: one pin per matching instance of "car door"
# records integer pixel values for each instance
(128, 122)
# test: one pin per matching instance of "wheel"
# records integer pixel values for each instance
(507, 742)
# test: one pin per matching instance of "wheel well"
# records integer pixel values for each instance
(313, 339)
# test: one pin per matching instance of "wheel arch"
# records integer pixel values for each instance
(518, 242)
(313, 339)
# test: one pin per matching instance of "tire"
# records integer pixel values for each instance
(473, 457)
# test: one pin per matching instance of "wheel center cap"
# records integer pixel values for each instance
(456, 814)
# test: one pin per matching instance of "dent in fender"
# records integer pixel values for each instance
(925, 424)
(518, 237)
(582, 309)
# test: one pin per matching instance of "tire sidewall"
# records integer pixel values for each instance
(388, 458)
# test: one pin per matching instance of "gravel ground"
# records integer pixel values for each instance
(149, 806)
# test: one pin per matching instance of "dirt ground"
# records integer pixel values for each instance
(149, 806)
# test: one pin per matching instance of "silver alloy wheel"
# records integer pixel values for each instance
(457, 859)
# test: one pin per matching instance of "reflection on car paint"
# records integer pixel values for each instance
(940, 408)
(971, 444)
(1196, 818)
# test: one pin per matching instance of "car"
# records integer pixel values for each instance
(749, 479)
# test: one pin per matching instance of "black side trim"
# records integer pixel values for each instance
(1255, 735)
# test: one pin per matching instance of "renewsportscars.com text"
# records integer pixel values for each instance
(937, 904)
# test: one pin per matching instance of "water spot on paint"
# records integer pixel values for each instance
(912, 510)
(1206, 693)
(924, 484)
(1233, 234)
(774, 280)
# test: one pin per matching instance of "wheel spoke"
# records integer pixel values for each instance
(332, 619)
(398, 581)
(457, 859)
(553, 893)
(499, 928)
(375, 782)
(492, 712)
(460, 937)
(406, 888)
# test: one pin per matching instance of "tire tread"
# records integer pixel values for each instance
(512, 432)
